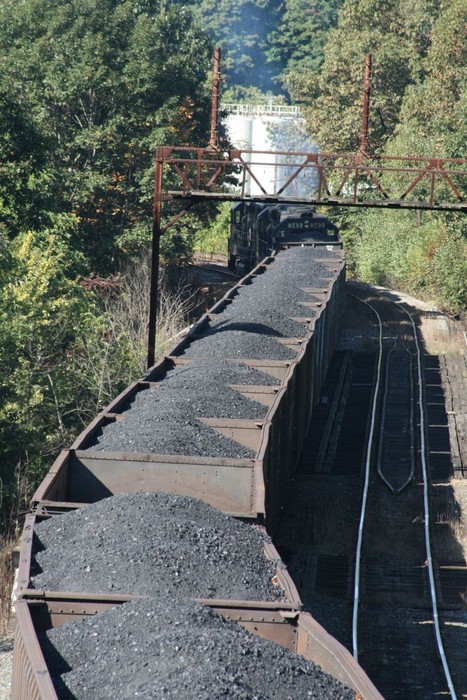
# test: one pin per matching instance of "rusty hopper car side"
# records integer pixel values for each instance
(294, 630)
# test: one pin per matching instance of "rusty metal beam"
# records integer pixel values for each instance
(156, 236)
(340, 179)
(197, 197)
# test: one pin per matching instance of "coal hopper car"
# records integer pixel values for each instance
(212, 434)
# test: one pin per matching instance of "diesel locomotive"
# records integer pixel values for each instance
(257, 228)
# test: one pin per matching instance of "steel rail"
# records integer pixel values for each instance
(166, 152)
(228, 273)
(431, 575)
(423, 452)
(358, 555)
(383, 418)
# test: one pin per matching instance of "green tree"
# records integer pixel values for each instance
(242, 29)
(213, 239)
(297, 42)
(104, 83)
(434, 112)
(333, 95)
(42, 309)
(25, 183)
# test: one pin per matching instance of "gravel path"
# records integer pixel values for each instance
(153, 544)
(177, 650)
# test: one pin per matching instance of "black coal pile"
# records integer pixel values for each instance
(165, 420)
(263, 311)
(252, 341)
(153, 544)
(305, 252)
(263, 321)
(253, 309)
(178, 434)
(168, 649)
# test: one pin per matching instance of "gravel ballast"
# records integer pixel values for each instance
(153, 544)
(168, 649)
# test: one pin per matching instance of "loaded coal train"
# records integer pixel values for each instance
(169, 499)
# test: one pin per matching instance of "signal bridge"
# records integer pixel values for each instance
(332, 179)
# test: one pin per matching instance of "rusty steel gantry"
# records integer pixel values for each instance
(361, 179)
(335, 179)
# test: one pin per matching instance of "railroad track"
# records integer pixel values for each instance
(398, 397)
(396, 448)
(381, 597)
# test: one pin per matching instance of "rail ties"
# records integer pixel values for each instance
(440, 457)
(394, 546)
(332, 575)
(402, 592)
(336, 443)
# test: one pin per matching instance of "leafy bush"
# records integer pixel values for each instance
(449, 269)
(213, 240)
(66, 349)
(42, 310)
(429, 260)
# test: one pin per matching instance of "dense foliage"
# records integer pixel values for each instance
(42, 312)
(299, 38)
(242, 28)
(102, 83)
(395, 33)
(265, 42)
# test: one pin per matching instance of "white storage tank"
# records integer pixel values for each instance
(270, 127)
